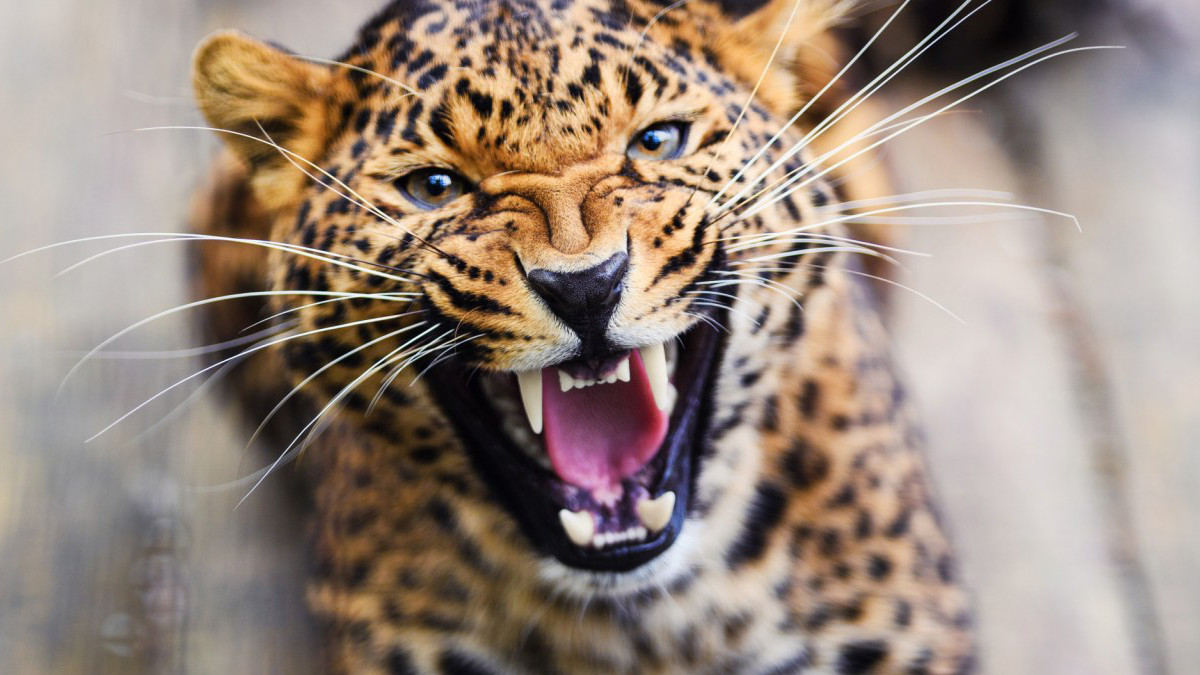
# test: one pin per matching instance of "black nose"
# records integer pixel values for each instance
(584, 300)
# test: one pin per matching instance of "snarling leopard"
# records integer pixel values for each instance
(589, 368)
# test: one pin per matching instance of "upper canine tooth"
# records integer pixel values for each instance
(623, 370)
(656, 513)
(565, 381)
(530, 384)
(579, 526)
(654, 360)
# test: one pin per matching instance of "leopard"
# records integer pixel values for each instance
(587, 362)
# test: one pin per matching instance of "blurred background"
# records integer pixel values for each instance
(1063, 412)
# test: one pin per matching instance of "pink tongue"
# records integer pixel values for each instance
(600, 434)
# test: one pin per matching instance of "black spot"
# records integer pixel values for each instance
(361, 121)
(591, 75)
(420, 61)
(358, 573)
(831, 543)
(810, 394)
(482, 103)
(945, 568)
(453, 662)
(633, 89)
(440, 511)
(439, 123)
(899, 526)
(879, 567)
(805, 465)
(432, 76)
(766, 511)
(425, 454)
(398, 662)
(861, 657)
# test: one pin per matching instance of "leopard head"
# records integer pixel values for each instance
(550, 247)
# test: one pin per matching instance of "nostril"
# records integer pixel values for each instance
(582, 297)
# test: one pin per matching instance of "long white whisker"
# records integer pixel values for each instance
(862, 95)
(751, 240)
(916, 123)
(753, 92)
(887, 122)
(449, 351)
(641, 38)
(303, 251)
(885, 280)
(804, 109)
(380, 296)
(290, 155)
(708, 320)
(395, 372)
(188, 353)
(718, 305)
(340, 64)
(197, 303)
(790, 293)
(299, 387)
(910, 197)
(236, 356)
(193, 396)
(288, 452)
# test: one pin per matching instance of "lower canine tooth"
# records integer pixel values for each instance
(656, 513)
(579, 526)
(530, 384)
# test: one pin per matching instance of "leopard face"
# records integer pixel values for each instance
(507, 235)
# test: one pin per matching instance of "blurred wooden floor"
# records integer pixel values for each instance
(1075, 347)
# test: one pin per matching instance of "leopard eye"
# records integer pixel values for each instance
(432, 188)
(664, 140)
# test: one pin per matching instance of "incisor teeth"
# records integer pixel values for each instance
(579, 526)
(623, 370)
(656, 513)
(654, 360)
(565, 381)
(530, 384)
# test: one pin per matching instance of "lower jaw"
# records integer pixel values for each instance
(533, 496)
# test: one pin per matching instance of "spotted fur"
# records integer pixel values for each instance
(811, 542)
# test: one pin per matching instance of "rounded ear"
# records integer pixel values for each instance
(249, 87)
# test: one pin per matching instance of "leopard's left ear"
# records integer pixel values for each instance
(782, 41)
(254, 89)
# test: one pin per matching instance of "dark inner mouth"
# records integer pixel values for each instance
(605, 483)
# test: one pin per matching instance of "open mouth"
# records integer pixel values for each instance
(595, 459)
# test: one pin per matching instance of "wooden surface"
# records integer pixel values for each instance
(1062, 414)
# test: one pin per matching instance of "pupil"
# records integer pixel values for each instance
(653, 140)
(437, 184)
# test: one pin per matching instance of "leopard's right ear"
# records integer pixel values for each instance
(252, 88)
